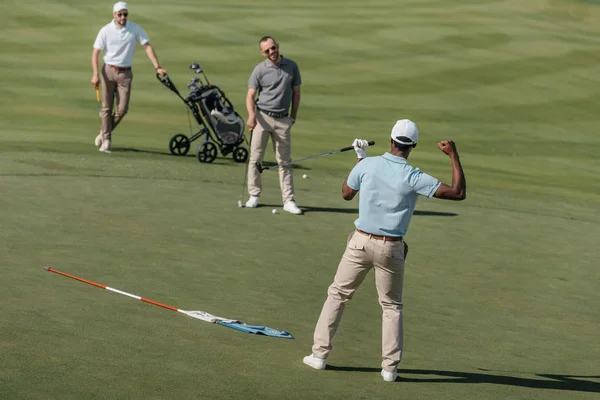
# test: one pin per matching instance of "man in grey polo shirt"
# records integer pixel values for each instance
(118, 38)
(389, 188)
(277, 82)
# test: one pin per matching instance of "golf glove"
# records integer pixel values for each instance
(360, 146)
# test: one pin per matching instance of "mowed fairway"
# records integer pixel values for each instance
(502, 291)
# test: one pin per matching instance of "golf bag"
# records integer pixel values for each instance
(221, 126)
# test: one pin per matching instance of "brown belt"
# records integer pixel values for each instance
(384, 238)
(116, 67)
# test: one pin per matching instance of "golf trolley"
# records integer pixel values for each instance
(221, 126)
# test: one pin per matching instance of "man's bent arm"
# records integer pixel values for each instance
(95, 57)
(250, 105)
(458, 190)
(295, 101)
(151, 55)
(347, 192)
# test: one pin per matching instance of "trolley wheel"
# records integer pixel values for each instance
(206, 152)
(179, 145)
(240, 154)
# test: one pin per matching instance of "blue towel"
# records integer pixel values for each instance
(257, 329)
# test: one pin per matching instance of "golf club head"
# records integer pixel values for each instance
(197, 68)
(260, 167)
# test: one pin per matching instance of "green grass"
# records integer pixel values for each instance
(501, 291)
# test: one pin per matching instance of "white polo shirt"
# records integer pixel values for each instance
(119, 43)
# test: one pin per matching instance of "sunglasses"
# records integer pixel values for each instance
(271, 49)
(123, 14)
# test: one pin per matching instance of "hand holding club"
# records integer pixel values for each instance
(161, 71)
(360, 146)
(251, 122)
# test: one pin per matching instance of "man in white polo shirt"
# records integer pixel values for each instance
(118, 38)
(389, 188)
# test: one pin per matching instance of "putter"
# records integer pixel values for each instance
(241, 200)
(262, 168)
(98, 100)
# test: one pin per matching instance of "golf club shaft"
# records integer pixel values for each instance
(261, 168)
(112, 289)
(246, 172)
(99, 102)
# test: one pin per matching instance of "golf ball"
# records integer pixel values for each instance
(274, 211)
(304, 176)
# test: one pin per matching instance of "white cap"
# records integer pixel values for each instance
(121, 5)
(405, 132)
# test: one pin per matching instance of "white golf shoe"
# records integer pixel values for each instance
(252, 202)
(98, 141)
(105, 148)
(314, 362)
(389, 376)
(292, 207)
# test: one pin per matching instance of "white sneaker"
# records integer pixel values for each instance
(389, 376)
(98, 141)
(314, 362)
(252, 202)
(105, 148)
(291, 207)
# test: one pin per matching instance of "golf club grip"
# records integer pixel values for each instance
(371, 143)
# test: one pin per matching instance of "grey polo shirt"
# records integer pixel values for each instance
(274, 84)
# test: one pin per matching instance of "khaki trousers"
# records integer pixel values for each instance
(115, 85)
(363, 253)
(278, 129)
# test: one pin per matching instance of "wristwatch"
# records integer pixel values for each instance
(293, 119)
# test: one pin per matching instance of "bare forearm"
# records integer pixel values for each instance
(152, 56)
(295, 103)
(250, 106)
(95, 57)
(459, 182)
(347, 192)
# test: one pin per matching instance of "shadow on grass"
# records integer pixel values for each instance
(160, 153)
(272, 164)
(191, 154)
(308, 209)
(579, 383)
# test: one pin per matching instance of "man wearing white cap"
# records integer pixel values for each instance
(389, 188)
(118, 38)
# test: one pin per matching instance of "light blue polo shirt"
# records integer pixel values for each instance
(389, 189)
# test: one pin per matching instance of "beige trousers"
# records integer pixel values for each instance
(363, 253)
(278, 129)
(115, 85)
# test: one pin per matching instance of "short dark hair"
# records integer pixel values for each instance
(265, 38)
(403, 147)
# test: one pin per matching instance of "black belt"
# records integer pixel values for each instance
(384, 238)
(272, 114)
